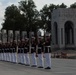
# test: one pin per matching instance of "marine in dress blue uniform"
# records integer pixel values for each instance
(14, 45)
(33, 50)
(40, 53)
(26, 52)
(47, 51)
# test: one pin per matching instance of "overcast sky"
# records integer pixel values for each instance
(38, 3)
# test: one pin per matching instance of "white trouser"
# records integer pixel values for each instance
(33, 59)
(22, 58)
(40, 60)
(4, 56)
(7, 56)
(1, 56)
(14, 58)
(27, 59)
(48, 59)
(19, 57)
(11, 57)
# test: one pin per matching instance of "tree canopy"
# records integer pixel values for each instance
(30, 13)
(27, 17)
(46, 15)
(73, 5)
(13, 19)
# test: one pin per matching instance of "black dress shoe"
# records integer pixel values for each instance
(33, 66)
(40, 67)
(47, 68)
(19, 63)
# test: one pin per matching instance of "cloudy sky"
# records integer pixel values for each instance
(39, 4)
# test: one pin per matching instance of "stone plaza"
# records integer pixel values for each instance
(59, 67)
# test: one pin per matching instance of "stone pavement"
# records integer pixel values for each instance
(59, 67)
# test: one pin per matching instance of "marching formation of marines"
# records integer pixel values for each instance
(23, 49)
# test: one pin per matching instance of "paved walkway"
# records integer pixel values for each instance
(59, 67)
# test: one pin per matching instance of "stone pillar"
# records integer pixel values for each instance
(75, 37)
(61, 37)
(70, 36)
(54, 35)
(52, 31)
(59, 34)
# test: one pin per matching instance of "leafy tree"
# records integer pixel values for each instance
(13, 19)
(46, 16)
(45, 13)
(62, 5)
(31, 14)
(73, 5)
(27, 17)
